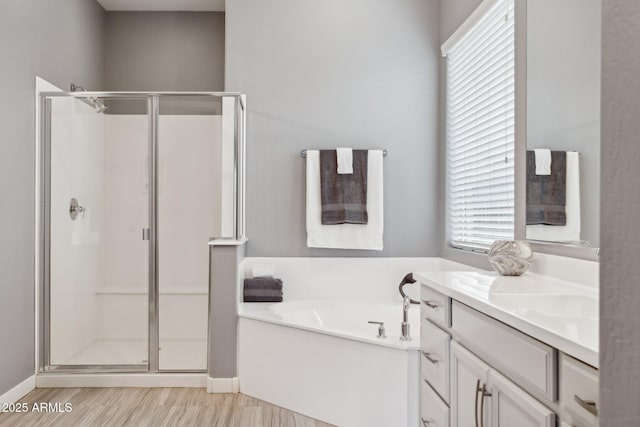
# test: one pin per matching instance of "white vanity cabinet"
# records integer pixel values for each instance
(481, 396)
(434, 358)
(578, 392)
(435, 315)
(512, 406)
(477, 371)
(435, 413)
(526, 361)
(469, 381)
(473, 392)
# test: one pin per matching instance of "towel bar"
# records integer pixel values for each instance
(303, 153)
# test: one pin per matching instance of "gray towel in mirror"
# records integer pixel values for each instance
(344, 197)
(547, 194)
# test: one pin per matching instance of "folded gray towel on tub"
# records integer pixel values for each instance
(263, 289)
(343, 197)
(547, 194)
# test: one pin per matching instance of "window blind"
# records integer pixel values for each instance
(480, 129)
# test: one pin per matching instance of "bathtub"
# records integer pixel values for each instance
(341, 318)
(322, 359)
(316, 354)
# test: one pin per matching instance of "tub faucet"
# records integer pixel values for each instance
(381, 333)
(406, 334)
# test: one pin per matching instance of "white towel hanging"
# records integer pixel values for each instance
(543, 161)
(346, 236)
(344, 157)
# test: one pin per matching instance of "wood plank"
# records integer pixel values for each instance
(106, 407)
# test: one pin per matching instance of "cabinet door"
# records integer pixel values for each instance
(468, 374)
(512, 406)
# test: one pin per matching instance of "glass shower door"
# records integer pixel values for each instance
(133, 187)
(189, 140)
(97, 205)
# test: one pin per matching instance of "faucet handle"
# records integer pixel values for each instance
(381, 331)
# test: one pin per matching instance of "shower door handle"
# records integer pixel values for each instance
(145, 234)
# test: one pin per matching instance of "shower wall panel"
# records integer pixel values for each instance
(77, 247)
(187, 216)
(189, 153)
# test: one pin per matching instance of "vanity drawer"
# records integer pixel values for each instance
(435, 357)
(527, 361)
(435, 306)
(579, 392)
(433, 411)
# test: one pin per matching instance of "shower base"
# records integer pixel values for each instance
(175, 353)
(74, 380)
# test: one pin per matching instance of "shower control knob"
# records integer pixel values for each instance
(75, 209)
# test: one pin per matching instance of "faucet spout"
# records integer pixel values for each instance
(405, 308)
(405, 326)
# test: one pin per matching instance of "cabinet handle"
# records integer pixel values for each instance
(476, 402)
(484, 394)
(430, 358)
(426, 423)
(430, 304)
(588, 405)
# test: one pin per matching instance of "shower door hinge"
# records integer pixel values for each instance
(145, 234)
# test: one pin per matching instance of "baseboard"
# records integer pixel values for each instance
(18, 392)
(223, 385)
(120, 380)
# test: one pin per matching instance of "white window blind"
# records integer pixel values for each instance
(480, 131)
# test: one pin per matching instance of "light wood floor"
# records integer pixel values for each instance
(154, 407)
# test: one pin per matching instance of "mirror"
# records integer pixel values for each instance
(563, 121)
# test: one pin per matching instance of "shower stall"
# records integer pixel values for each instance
(132, 187)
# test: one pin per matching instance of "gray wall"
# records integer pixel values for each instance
(164, 51)
(453, 13)
(327, 73)
(620, 208)
(62, 42)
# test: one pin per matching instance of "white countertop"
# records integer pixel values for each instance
(560, 313)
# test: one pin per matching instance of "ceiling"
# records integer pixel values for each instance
(164, 5)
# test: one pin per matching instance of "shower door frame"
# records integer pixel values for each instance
(43, 217)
